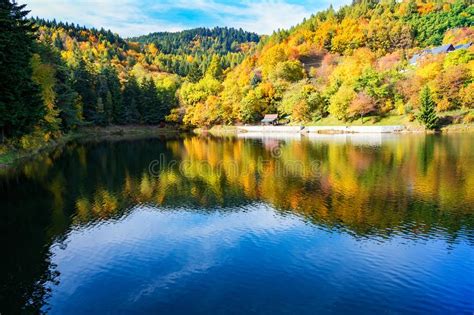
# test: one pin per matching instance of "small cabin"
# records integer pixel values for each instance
(442, 49)
(270, 119)
(436, 51)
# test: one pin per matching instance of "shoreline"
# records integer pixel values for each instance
(14, 156)
(219, 130)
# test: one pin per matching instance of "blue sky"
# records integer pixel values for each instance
(129, 17)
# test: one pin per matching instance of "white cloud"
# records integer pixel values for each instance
(121, 16)
(128, 17)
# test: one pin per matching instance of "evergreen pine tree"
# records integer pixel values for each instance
(195, 73)
(131, 98)
(84, 84)
(66, 96)
(427, 115)
(100, 112)
(153, 104)
(215, 69)
(21, 106)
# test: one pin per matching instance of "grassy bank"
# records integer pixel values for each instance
(218, 130)
(11, 155)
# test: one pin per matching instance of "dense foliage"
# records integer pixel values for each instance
(20, 104)
(219, 40)
(59, 76)
(427, 115)
(348, 64)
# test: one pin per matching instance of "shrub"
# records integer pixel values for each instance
(467, 95)
(469, 118)
(443, 105)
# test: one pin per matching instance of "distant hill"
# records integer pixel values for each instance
(175, 53)
(218, 40)
(347, 64)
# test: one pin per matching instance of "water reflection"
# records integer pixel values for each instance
(375, 187)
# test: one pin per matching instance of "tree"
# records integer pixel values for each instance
(113, 96)
(195, 73)
(153, 109)
(129, 114)
(21, 107)
(251, 107)
(362, 105)
(290, 71)
(215, 68)
(427, 115)
(339, 102)
(45, 75)
(84, 84)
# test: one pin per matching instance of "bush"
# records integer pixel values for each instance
(469, 118)
(34, 140)
(443, 105)
(400, 107)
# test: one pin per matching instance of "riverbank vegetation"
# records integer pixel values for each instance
(64, 77)
(346, 65)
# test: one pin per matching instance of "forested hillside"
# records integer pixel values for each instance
(179, 53)
(346, 64)
(218, 40)
(75, 76)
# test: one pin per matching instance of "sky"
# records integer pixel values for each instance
(139, 17)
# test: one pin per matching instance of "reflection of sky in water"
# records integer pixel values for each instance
(382, 224)
(252, 260)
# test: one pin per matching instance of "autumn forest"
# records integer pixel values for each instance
(372, 59)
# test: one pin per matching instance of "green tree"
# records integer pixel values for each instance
(84, 84)
(215, 69)
(131, 98)
(290, 71)
(339, 102)
(113, 96)
(153, 109)
(21, 107)
(195, 73)
(427, 115)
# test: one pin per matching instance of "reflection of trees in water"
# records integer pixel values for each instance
(412, 185)
(417, 186)
(26, 262)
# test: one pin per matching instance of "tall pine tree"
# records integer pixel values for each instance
(21, 106)
(427, 115)
(131, 101)
(84, 84)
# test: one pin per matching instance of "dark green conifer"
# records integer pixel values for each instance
(21, 106)
(427, 115)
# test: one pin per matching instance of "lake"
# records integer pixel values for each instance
(286, 224)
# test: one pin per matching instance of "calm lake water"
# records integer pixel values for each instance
(200, 225)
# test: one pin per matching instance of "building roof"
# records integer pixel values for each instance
(415, 58)
(270, 118)
(442, 49)
(463, 46)
(435, 51)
